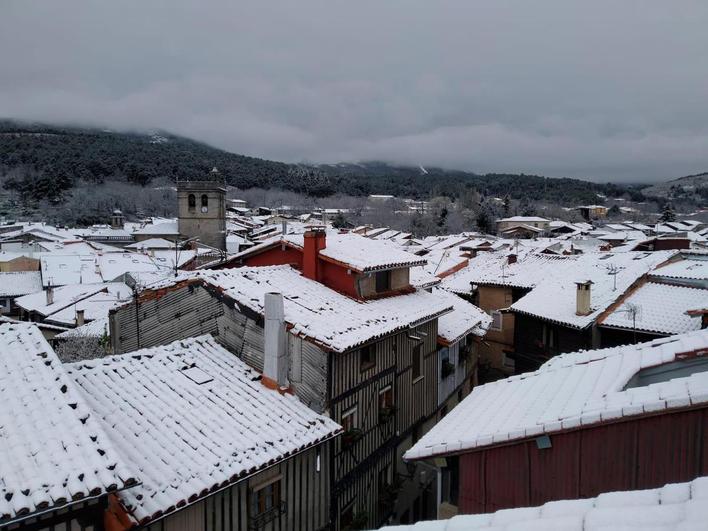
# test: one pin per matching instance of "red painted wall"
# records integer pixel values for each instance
(638, 454)
(275, 256)
(336, 277)
(331, 275)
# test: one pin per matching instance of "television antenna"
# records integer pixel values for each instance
(614, 271)
(634, 313)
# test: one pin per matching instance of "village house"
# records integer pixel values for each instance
(591, 212)
(17, 261)
(215, 448)
(636, 411)
(493, 281)
(72, 305)
(182, 437)
(372, 354)
(529, 226)
(561, 313)
(58, 465)
(17, 284)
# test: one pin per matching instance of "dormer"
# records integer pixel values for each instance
(348, 263)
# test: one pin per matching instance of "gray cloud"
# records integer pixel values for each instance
(603, 90)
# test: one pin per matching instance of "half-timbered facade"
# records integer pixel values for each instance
(374, 366)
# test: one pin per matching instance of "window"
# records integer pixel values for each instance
(191, 202)
(205, 203)
(367, 357)
(446, 367)
(349, 419)
(550, 336)
(667, 371)
(386, 408)
(351, 434)
(266, 501)
(496, 320)
(383, 281)
(417, 362)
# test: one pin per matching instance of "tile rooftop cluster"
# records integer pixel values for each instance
(569, 391)
(316, 312)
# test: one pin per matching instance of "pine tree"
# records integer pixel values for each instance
(667, 214)
(506, 206)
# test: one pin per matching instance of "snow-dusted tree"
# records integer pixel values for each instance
(80, 346)
(667, 213)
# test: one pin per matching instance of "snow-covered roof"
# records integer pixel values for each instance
(660, 308)
(494, 268)
(96, 328)
(53, 450)
(521, 226)
(63, 297)
(61, 269)
(113, 266)
(569, 391)
(316, 312)
(441, 261)
(14, 284)
(465, 318)
(168, 227)
(190, 417)
(684, 269)
(420, 278)
(524, 219)
(96, 306)
(152, 243)
(555, 298)
(677, 506)
(361, 253)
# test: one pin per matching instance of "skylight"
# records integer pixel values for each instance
(667, 371)
(197, 375)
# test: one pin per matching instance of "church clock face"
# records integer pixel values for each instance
(204, 210)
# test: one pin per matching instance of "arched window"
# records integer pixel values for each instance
(205, 203)
(191, 202)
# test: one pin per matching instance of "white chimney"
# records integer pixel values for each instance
(79, 317)
(583, 297)
(275, 364)
(50, 295)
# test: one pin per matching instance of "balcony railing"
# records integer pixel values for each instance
(264, 518)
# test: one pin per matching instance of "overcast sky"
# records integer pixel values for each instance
(605, 90)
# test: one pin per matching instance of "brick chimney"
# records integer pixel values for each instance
(583, 297)
(315, 241)
(80, 320)
(275, 363)
(50, 295)
(511, 259)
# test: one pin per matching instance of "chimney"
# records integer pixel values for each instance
(315, 241)
(50, 295)
(275, 364)
(511, 259)
(582, 297)
(79, 317)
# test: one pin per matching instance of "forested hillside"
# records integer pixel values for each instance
(44, 162)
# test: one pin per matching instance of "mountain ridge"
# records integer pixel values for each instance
(43, 161)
